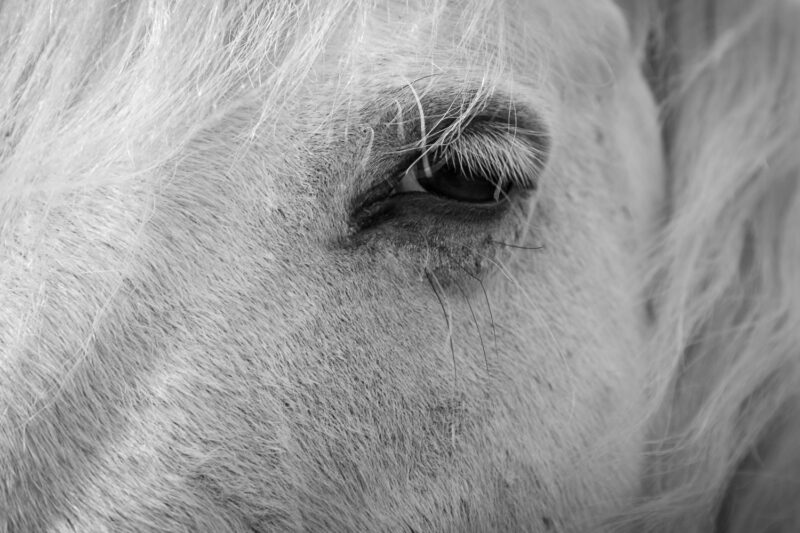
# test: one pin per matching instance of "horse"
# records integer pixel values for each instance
(421, 265)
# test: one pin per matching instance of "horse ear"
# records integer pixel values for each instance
(764, 495)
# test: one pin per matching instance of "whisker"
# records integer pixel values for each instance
(426, 77)
(541, 247)
(423, 131)
(400, 123)
(488, 305)
(477, 326)
(431, 279)
(434, 284)
(559, 347)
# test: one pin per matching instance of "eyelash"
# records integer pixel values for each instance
(438, 172)
(480, 166)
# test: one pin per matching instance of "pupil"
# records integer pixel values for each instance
(451, 182)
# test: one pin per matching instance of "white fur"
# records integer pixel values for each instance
(194, 336)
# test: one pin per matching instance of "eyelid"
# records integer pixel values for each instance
(502, 137)
(503, 158)
(492, 149)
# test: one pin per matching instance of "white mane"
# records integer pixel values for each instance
(726, 282)
(86, 85)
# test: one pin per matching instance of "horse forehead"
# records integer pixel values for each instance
(468, 34)
(534, 45)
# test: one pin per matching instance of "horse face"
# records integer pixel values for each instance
(406, 297)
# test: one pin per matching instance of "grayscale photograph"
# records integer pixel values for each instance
(413, 266)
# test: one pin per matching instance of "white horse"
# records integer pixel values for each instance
(421, 265)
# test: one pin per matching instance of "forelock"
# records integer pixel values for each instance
(94, 91)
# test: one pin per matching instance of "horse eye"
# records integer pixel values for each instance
(448, 179)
